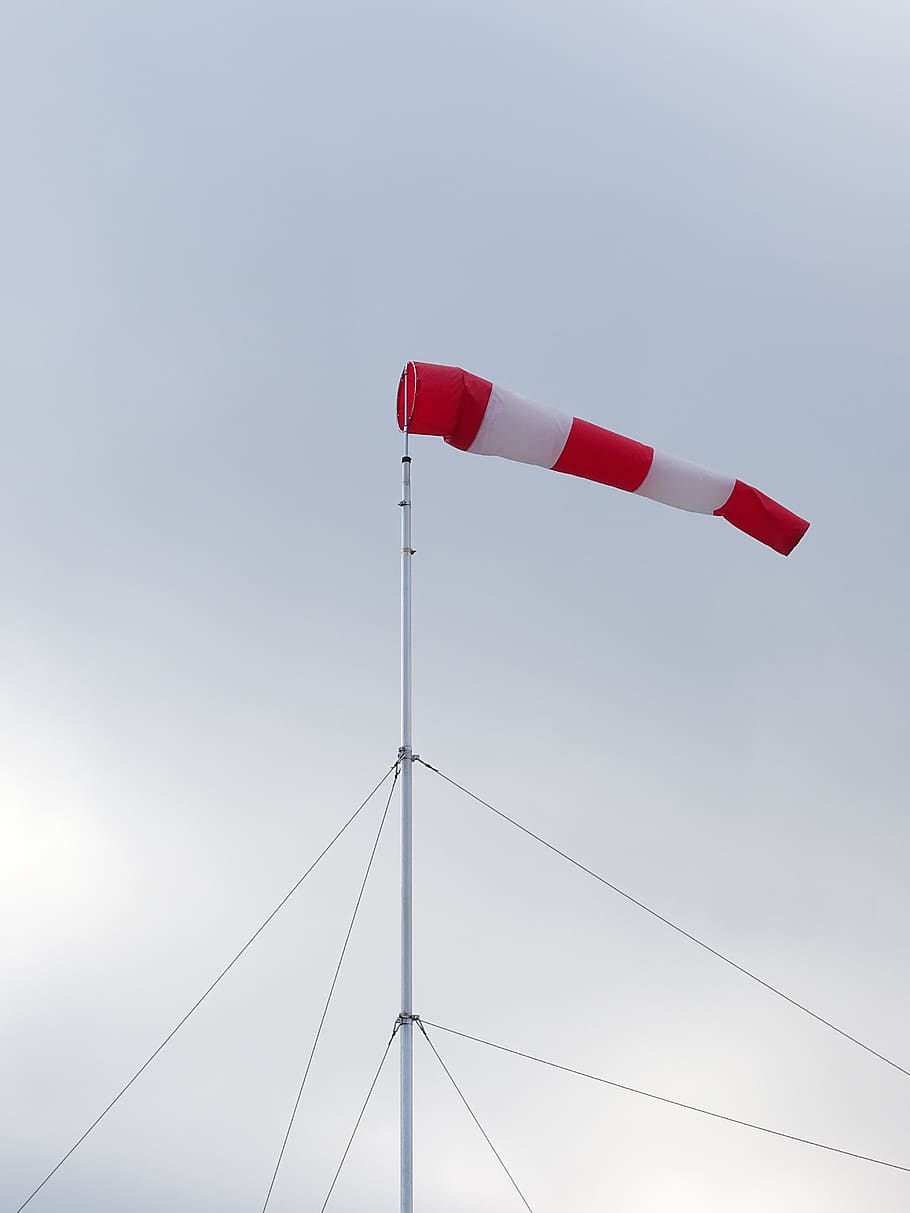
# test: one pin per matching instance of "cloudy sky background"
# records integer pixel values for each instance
(223, 229)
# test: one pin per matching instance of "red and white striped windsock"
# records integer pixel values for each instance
(478, 416)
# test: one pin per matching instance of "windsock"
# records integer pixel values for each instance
(476, 415)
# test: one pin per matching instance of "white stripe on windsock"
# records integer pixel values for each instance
(514, 427)
(685, 485)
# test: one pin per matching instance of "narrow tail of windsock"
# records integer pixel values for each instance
(476, 415)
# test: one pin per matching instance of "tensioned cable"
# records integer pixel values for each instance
(676, 1103)
(472, 1115)
(359, 1118)
(199, 1001)
(325, 1009)
(668, 922)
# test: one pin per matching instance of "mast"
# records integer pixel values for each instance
(406, 1029)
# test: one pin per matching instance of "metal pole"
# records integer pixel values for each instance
(407, 1027)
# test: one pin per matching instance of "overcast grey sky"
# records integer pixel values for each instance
(223, 228)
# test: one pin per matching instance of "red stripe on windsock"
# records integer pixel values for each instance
(764, 519)
(598, 454)
(443, 400)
